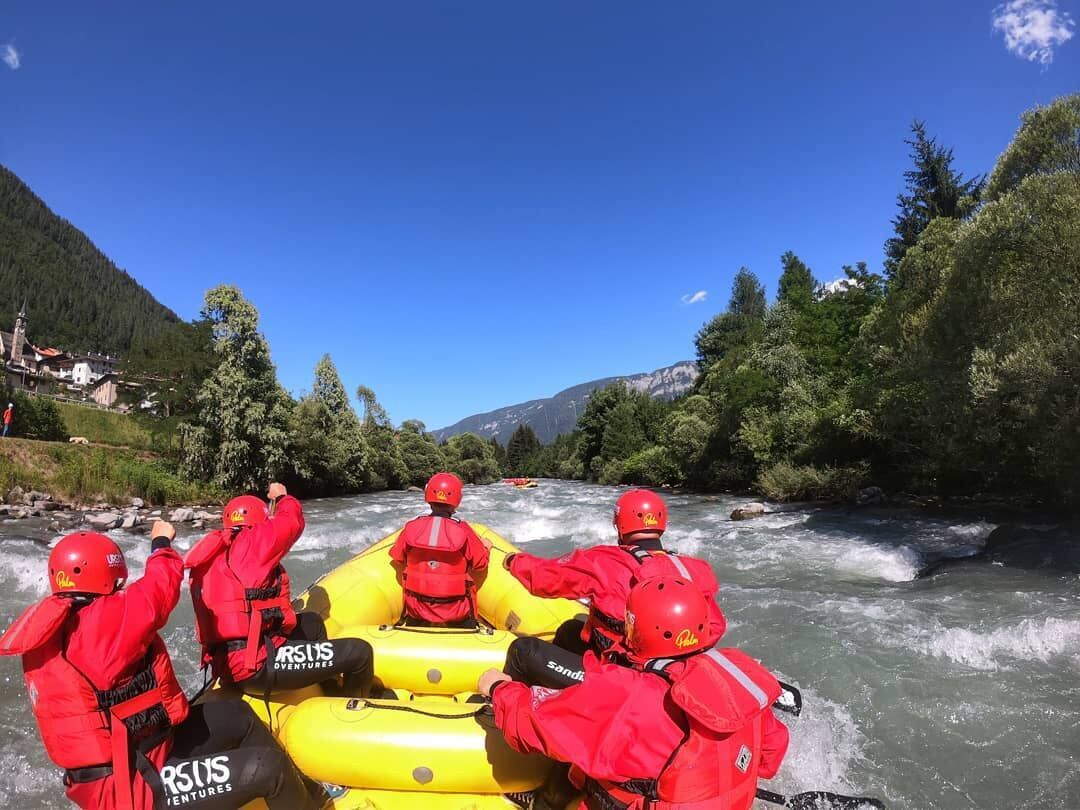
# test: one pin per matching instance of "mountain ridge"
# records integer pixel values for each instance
(77, 298)
(551, 416)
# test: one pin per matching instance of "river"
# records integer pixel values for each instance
(957, 691)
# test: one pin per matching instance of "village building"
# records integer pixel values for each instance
(35, 369)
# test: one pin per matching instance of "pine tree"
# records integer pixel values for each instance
(747, 296)
(735, 328)
(934, 189)
(329, 449)
(796, 286)
(239, 435)
(500, 454)
(523, 445)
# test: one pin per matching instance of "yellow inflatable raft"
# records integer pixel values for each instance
(430, 749)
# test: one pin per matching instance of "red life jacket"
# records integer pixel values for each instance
(435, 566)
(83, 726)
(228, 615)
(601, 631)
(724, 695)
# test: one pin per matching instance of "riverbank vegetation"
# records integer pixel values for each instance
(79, 474)
(242, 429)
(956, 371)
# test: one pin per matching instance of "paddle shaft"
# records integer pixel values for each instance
(819, 800)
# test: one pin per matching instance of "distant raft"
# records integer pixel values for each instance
(430, 749)
(521, 483)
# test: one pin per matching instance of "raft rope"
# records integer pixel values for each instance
(356, 703)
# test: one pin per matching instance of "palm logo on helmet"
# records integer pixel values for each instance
(639, 510)
(666, 617)
(686, 638)
(86, 563)
(245, 511)
(63, 580)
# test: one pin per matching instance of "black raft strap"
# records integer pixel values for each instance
(437, 600)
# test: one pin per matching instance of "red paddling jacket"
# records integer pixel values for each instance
(440, 555)
(241, 593)
(101, 684)
(688, 734)
(605, 574)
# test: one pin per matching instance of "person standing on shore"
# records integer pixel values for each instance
(9, 414)
(108, 704)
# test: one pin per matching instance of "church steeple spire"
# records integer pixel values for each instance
(18, 337)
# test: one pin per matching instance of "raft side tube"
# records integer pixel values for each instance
(365, 591)
(436, 746)
(435, 661)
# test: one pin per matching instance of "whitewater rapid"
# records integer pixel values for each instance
(960, 691)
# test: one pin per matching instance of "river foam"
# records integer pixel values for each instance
(1030, 640)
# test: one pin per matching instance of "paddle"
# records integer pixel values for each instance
(790, 699)
(819, 800)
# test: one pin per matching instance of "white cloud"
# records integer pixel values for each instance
(837, 286)
(695, 298)
(10, 56)
(1033, 28)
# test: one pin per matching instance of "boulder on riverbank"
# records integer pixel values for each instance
(868, 496)
(748, 511)
(104, 521)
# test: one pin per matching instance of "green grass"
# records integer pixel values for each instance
(73, 472)
(118, 429)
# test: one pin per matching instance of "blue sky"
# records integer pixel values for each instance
(470, 204)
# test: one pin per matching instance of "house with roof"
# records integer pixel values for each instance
(33, 368)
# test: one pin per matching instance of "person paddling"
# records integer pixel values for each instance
(250, 634)
(604, 575)
(441, 560)
(663, 720)
(108, 704)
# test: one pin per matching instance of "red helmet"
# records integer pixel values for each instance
(640, 510)
(86, 562)
(245, 510)
(666, 617)
(444, 488)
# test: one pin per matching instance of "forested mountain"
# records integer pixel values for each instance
(77, 299)
(559, 414)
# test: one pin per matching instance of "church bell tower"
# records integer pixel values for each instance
(18, 337)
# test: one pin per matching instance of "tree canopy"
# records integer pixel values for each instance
(957, 376)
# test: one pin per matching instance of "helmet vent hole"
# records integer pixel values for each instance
(667, 634)
(78, 570)
(660, 587)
